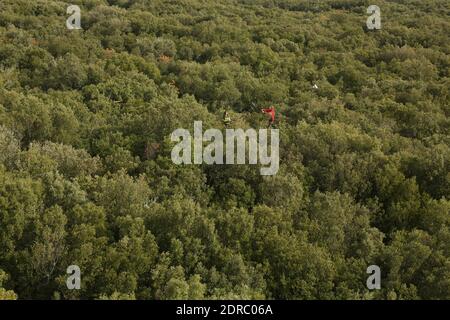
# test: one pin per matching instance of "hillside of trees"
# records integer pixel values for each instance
(86, 176)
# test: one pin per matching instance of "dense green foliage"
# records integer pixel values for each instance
(86, 176)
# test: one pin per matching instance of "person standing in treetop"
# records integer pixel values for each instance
(270, 111)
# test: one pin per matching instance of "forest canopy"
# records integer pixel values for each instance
(86, 176)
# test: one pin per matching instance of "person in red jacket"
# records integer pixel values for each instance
(270, 111)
